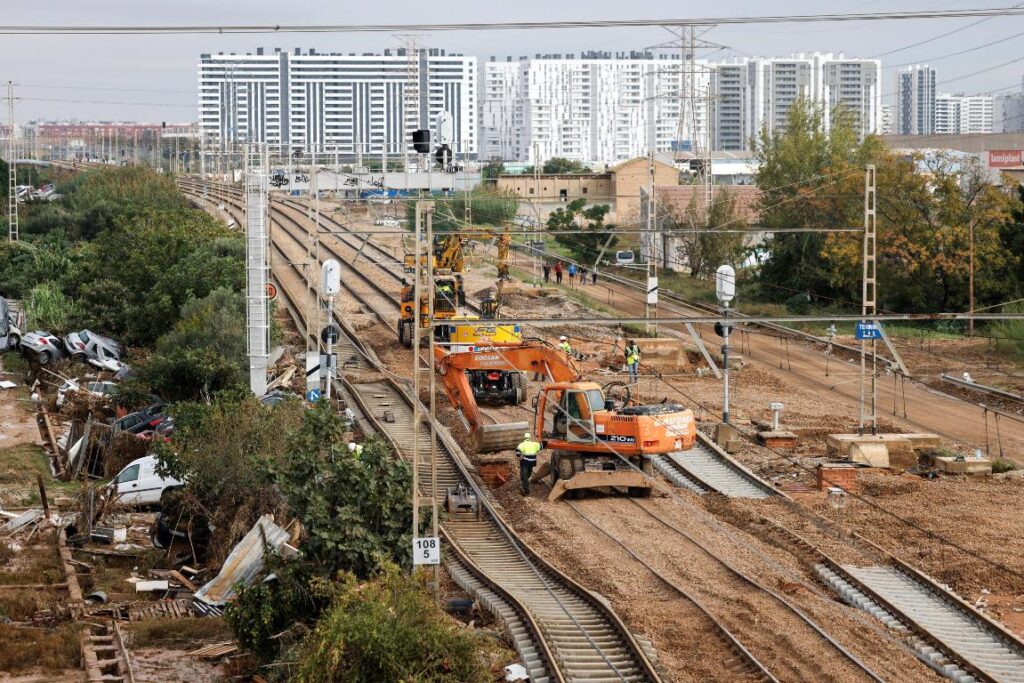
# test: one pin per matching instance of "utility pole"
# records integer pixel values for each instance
(970, 284)
(869, 307)
(257, 268)
(651, 302)
(12, 169)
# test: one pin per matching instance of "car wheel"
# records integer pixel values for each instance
(78, 357)
(43, 357)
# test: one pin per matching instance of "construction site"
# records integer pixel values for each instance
(270, 414)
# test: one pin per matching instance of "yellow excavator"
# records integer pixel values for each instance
(450, 296)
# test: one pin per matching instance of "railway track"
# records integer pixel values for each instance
(562, 631)
(929, 617)
(782, 637)
(706, 469)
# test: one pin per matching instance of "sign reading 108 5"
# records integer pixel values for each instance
(426, 550)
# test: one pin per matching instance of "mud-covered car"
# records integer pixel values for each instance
(42, 347)
(86, 346)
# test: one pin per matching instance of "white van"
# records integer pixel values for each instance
(624, 257)
(139, 484)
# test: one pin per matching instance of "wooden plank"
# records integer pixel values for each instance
(177, 576)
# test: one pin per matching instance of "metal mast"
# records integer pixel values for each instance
(257, 269)
(869, 308)
(12, 169)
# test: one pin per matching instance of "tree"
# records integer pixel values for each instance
(487, 206)
(587, 244)
(1011, 234)
(704, 252)
(561, 165)
(492, 169)
(204, 352)
(356, 511)
(809, 178)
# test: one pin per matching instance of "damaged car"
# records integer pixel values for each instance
(102, 352)
(42, 347)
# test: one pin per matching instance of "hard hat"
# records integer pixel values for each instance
(351, 445)
(563, 338)
(526, 435)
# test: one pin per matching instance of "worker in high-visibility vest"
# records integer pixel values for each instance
(633, 361)
(527, 451)
(563, 344)
(356, 449)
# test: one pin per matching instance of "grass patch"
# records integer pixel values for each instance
(1003, 465)
(34, 564)
(21, 605)
(178, 633)
(19, 466)
(27, 649)
(15, 362)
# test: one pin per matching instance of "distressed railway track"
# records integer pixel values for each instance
(946, 633)
(562, 631)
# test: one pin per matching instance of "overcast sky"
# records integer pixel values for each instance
(153, 78)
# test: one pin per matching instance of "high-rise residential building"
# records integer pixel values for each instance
(597, 107)
(755, 94)
(1008, 112)
(365, 103)
(915, 101)
(963, 114)
(886, 119)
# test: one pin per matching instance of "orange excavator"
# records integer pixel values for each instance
(494, 375)
(595, 440)
(596, 443)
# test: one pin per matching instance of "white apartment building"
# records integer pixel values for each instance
(887, 123)
(915, 101)
(755, 94)
(593, 108)
(961, 115)
(1008, 113)
(366, 103)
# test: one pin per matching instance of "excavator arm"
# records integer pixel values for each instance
(532, 356)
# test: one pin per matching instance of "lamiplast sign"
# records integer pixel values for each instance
(1004, 158)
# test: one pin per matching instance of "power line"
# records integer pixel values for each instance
(1008, 11)
(986, 13)
(939, 58)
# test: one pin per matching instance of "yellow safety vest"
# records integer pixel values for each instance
(565, 347)
(632, 355)
(528, 449)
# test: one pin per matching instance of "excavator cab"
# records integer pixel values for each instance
(595, 445)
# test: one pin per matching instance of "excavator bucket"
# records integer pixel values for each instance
(635, 481)
(500, 437)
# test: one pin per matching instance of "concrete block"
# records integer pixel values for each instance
(872, 454)
(728, 437)
(664, 353)
(951, 465)
(838, 445)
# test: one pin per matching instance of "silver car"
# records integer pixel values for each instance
(95, 348)
(43, 347)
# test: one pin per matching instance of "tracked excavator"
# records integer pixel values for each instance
(596, 440)
(494, 376)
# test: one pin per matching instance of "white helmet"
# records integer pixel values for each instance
(526, 435)
(563, 338)
(351, 446)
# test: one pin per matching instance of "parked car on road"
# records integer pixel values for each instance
(98, 350)
(139, 484)
(42, 347)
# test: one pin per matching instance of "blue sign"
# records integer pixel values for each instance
(313, 395)
(868, 331)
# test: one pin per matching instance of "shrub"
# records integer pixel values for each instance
(388, 629)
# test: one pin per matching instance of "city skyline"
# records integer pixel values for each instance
(158, 82)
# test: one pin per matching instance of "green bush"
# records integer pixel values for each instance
(355, 511)
(1009, 334)
(388, 629)
(47, 308)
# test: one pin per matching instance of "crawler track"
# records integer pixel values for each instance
(562, 631)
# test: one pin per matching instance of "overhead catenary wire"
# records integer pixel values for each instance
(144, 29)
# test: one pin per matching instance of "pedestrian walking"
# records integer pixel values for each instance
(633, 361)
(527, 451)
(558, 272)
(572, 273)
(593, 276)
(547, 272)
(583, 275)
